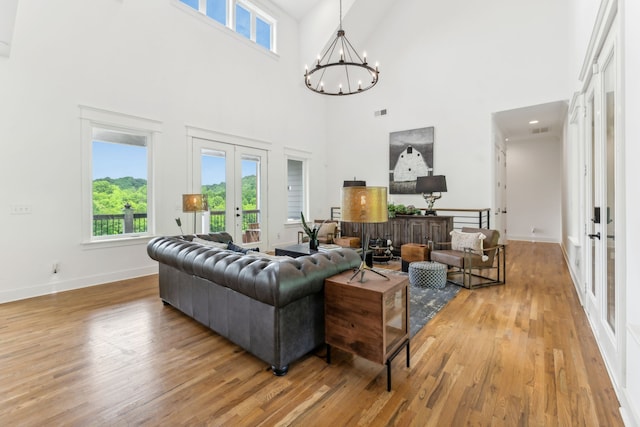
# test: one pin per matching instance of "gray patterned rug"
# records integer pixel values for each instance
(425, 302)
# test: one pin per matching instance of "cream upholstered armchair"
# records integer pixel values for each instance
(474, 256)
(326, 232)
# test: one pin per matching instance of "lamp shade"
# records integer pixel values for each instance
(364, 204)
(195, 202)
(431, 184)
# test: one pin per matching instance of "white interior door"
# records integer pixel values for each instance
(234, 178)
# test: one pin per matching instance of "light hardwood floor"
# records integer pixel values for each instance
(521, 354)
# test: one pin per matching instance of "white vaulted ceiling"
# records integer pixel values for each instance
(296, 8)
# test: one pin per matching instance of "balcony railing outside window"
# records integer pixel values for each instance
(107, 225)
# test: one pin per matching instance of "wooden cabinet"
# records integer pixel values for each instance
(405, 229)
(369, 319)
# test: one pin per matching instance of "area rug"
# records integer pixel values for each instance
(425, 302)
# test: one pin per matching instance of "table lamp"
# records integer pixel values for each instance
(428, 185)
(195, 203)
(364, 205)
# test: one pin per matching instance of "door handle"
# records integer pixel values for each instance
(593, 236)
(239, 215)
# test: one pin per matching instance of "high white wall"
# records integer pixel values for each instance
(146, 58)
(534, 175)
(450, 65)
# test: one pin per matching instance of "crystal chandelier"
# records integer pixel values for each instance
(340, 70)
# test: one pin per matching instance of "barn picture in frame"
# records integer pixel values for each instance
(410, 156)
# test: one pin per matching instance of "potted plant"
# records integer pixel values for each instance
(311, 232)
(392, 210)
(401, 209)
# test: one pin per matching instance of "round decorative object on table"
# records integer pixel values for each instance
(428, 274)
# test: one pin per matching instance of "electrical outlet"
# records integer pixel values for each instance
(55, 267)
(20, 209)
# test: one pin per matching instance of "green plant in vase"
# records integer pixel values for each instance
(392, 210)
(401, 209)
(311, 232)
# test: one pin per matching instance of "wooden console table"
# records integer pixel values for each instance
(369, 319)
(405, 229)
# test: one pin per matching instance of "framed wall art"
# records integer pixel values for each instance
(410, 156)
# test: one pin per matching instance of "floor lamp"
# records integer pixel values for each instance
(195, 203)
(364, 205)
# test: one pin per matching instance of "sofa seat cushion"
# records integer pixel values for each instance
(457, 259)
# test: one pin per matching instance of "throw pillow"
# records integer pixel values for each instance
(209, 243)
(473, 241)
(327, 228)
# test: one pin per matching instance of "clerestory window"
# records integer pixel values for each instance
(241, 16)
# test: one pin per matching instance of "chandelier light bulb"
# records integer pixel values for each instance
(364, 57)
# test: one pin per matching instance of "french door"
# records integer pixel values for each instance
(604, 302)
(234, 178)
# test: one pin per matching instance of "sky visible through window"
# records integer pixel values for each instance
(121, 160)
(244, 17)
(213, 169)
(118, 160)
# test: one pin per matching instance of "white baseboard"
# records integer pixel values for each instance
(533, 239)
(75, 283)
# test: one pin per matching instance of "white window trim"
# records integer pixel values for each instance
(305, 158)
(91, 117)
(229, 28)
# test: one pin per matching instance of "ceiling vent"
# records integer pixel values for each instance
(540, 130)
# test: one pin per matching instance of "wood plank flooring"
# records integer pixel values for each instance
(516, 355)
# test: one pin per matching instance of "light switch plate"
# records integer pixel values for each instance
(20, 209)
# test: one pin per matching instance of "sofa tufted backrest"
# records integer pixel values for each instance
(275, 283)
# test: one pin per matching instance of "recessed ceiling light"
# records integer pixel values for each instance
(534, 122)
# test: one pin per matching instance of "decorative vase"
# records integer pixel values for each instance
(313, 244)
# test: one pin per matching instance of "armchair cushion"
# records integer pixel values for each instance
(472, 241)
(471, 262)
(327, 232)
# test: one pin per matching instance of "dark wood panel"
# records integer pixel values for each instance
(408, 229)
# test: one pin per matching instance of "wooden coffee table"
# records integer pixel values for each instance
(368, 319)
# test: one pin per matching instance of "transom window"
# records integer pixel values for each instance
(240, 16)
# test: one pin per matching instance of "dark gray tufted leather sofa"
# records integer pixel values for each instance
(272, 309)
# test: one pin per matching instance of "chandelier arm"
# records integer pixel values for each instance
(355, 52)
(330, 49)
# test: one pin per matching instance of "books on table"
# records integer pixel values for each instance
(324, 247)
